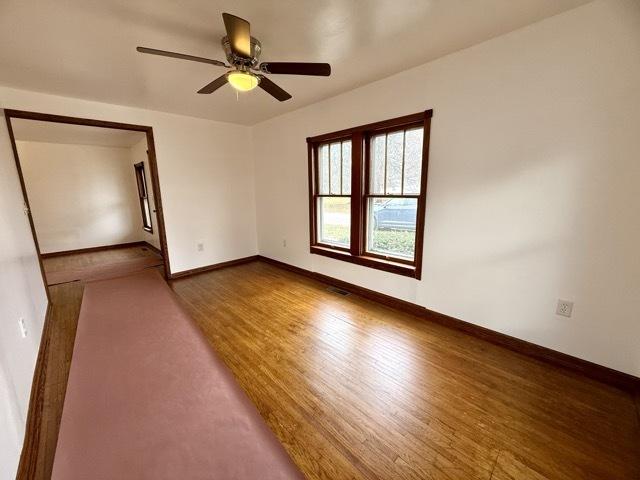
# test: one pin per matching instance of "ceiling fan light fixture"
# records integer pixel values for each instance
(243, 81)
(243, 55)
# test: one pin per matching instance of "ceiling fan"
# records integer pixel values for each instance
(243, 53)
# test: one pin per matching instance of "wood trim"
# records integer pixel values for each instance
(152, 247)
(422, 199)
(26, 202)
(94, 249)
(311, 152)
(356, 194)
(365, 260)
(31, 444)
(215, 266)
(153, 166)
(157, 200)
(586, 368)
(375, 126)
(48, 117)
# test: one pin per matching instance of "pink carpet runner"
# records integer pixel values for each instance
(148, 398)
(102, 271)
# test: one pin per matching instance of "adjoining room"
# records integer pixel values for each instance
(381, 240)
(92, 206)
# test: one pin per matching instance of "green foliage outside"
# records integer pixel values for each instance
(396, 242)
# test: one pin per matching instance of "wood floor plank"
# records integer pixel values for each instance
(438, 402)
(356, 390)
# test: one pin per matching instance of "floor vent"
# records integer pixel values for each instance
(344, 293)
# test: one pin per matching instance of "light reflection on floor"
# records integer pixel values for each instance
(388, 360)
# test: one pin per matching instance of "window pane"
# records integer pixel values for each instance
(346, 168)
(334, 220)
(146, 220)
(138, 171)
(377, 164)
(395, 146)
(413, 161)
(336, 168)
(323, 170)
(392, 226)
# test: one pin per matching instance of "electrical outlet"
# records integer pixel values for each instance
(200, 246)
(284, 242)
(23, 327)
(564, 308)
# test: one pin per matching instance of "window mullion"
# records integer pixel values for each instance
(357, 180)
(314, 186)
(404, 148)
(329, 169)
(384, 188)
(341, 166)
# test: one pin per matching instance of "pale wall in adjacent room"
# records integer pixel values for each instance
(22, 294)
(533, 182)
(205, 172)
(81, 196)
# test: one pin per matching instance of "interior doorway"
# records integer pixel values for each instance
(104, 211)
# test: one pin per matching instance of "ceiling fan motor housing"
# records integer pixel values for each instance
(240, 61)
(243, 54)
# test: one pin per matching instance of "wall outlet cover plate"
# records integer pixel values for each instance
(564, 308)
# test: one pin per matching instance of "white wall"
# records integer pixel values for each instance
(22, 294)
(533, 182)
(205, 172)
(81, 196)
(137, 154)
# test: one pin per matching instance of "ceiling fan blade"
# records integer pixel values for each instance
(239, 33)
(182, 56)
(273, 89)
(213, 86)
(297, 68)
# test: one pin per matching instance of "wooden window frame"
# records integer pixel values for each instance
(143, 195)
(316, 196)
(360, 192)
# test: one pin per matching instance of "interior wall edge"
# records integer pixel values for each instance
(31, 443)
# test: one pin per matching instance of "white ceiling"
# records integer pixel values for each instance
(86, 48)
(38, 131)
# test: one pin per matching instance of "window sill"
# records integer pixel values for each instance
(366, 261)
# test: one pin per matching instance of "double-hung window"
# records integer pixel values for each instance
(141, 180)
(368, 193)
(333, 196)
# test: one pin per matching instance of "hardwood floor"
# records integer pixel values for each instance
(66, 299)
(354, 389)
(90, 259)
